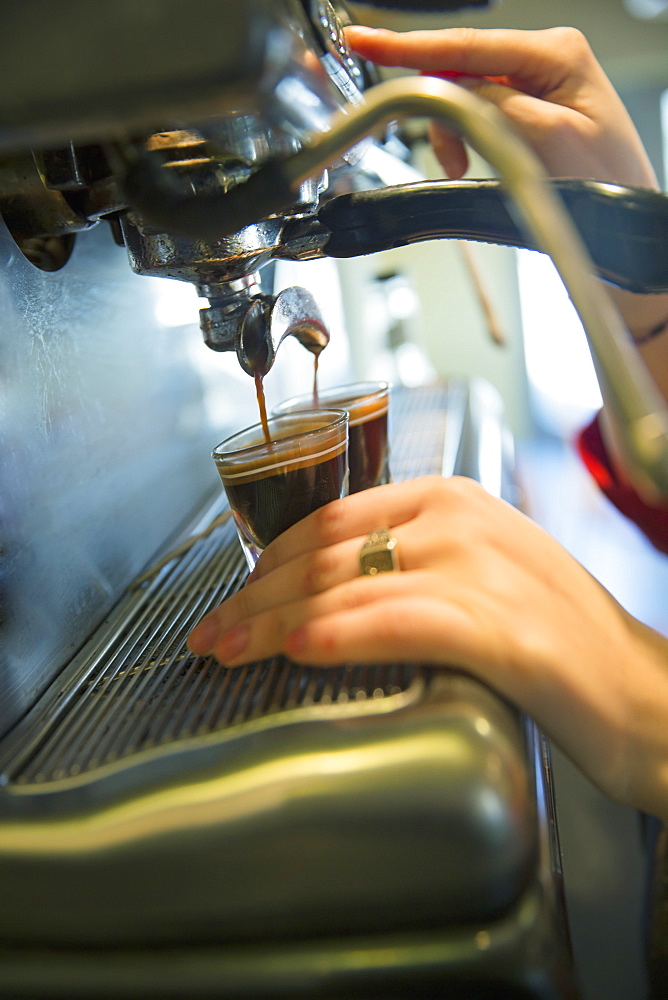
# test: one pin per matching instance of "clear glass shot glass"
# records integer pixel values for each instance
(368, 406)
(272, 485)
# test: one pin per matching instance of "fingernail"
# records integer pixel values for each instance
(201, 639)
(451, 74)
(446, 74)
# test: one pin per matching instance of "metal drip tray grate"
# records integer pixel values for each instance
(136, 687)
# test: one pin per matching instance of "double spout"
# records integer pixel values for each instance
(242, 318)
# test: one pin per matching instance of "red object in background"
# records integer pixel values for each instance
(652, 521)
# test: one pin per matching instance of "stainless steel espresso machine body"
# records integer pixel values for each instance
(91, 377)
(167, 827)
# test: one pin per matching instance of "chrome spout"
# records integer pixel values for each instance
(240, 317)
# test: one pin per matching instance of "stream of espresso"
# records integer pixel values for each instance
(262, 402)
(262, 405)
(315, 380)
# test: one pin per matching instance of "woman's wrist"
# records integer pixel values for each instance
(655, 331)
(646, 316)
(647, 707)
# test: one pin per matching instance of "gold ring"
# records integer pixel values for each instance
(378, 554)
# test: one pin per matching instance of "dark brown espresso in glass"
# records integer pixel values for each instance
(367, 447)
(272, 484)
(269, 504)
(367, 404)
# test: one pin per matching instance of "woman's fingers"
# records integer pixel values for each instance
(314, 555)
(305, 576)
(265, 633)
(412, 628)
(292, 585)
(517, 71)
(449, 150)
(547, 82)
(313, 569)
(321, 553)
(355, 516)
(536, 57)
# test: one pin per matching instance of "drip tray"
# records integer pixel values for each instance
(136, 686)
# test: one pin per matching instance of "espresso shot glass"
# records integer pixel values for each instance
(272, 485)
(367, 405)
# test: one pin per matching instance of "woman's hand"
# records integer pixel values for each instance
(548, 83)
(550, 86)
(481, 587)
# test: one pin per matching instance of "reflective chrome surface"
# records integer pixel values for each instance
(104, 450)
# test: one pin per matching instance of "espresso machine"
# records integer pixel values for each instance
(170, 828)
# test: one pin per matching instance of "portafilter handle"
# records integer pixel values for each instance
(625, 230)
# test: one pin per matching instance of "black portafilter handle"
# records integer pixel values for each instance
(625, 230)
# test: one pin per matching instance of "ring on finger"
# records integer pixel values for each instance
(379, 554)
